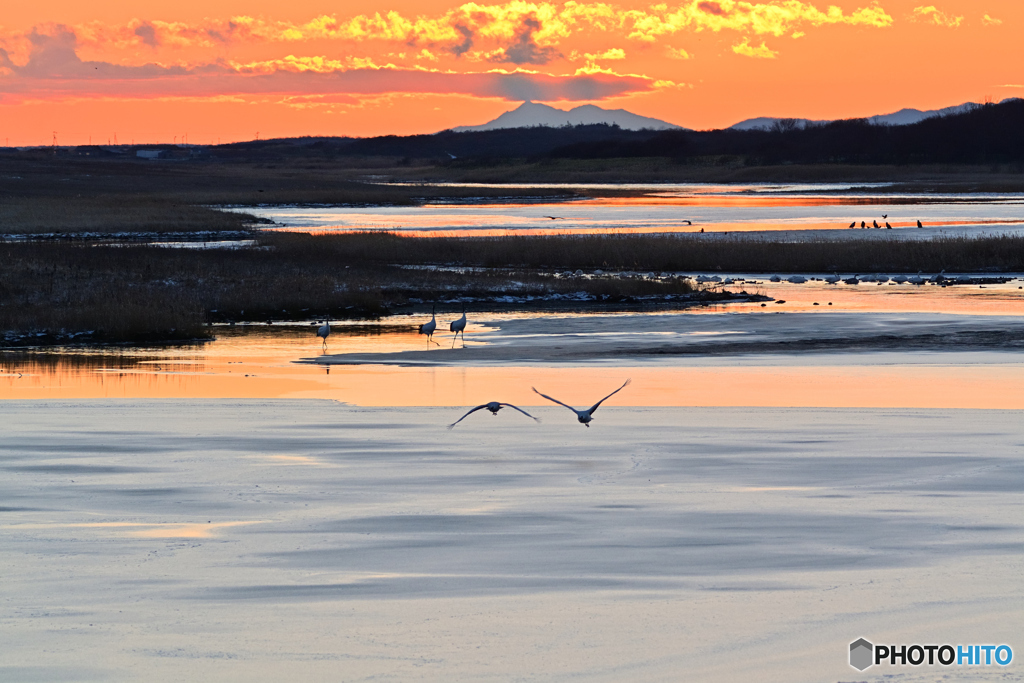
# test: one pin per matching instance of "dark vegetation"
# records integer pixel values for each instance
(64, 291)
(990, 134)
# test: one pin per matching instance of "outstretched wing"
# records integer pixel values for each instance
(554, 400)
(467, 415)
(523, 411)
(594, 407)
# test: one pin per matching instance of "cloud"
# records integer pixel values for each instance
(932, 15)
(677, 53)
(55, 71)
(776, 18)
(990, 21)
(524, 50)
(761, 51)
(147, 34)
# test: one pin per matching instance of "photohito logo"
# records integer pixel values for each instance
(864, 654)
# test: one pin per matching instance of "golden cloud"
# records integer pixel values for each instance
(990, 21)
(761, 51)
(768, 18)
(932, 15)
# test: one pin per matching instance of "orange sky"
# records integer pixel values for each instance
(227, 69)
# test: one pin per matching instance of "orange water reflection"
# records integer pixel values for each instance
(258, 363)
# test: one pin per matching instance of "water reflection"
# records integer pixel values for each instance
(744, 212)
(259, 362)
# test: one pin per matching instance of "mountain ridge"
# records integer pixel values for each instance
(532, 114)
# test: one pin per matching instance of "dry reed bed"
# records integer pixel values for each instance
(673, 253)
(52, 291)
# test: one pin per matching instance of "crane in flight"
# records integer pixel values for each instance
(324, 331)
(494, 407)
(428, 328)
(584, 416)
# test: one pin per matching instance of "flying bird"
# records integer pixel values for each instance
(556, 218)
(428, 328)
(494, 407)
(884, 216)
(324, 331)
(457, 326)
(584, 416)
(688, 222)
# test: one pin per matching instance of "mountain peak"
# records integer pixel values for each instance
(530, 114)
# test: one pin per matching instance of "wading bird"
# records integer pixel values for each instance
(324, 331)
(584, 416)
(428, 328)
(457, 326)
(494, 407)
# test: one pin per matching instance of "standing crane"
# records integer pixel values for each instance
(324, 331)
(457, 326)
(428, 328)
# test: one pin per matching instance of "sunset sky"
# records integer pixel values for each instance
(223, 70)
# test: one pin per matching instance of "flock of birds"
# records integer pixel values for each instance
(874, 224)
(459, 327)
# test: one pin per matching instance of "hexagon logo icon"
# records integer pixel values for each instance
(861, 654)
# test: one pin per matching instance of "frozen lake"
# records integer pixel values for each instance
(745, 210)
(248, 540)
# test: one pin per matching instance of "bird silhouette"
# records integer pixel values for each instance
(494, 407)
(556, 218)
(428, 328)
(457, 326)
(884, 216)
(919, 224)
(853, 224)
(324, 331)
(584, 416)
(887, 226)
(874, 223)
(863, 224)
(688, 222)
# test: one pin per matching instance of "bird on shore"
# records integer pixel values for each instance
(457, 326)
(874, 223)
(919, 224)
(494, 407)
(853, 224)
(324, 331)
(428, 328)
(863, 224)
(916, 279)
(584, 416)
(887, 226)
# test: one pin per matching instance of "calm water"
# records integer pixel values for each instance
(260, 361)
(806, 209)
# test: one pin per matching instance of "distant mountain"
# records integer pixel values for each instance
(532, 114)
(904, 117)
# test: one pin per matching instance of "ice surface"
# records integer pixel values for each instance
(305, 540)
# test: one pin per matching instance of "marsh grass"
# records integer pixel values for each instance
(671, 253)
(50, 292)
